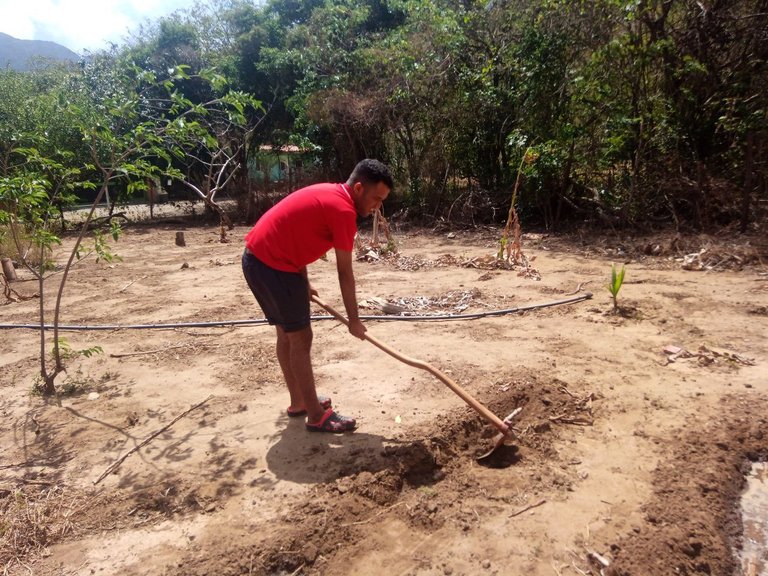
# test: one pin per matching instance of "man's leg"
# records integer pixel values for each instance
(293, 354)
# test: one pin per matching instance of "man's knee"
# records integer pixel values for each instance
(298, 339)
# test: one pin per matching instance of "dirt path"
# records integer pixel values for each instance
(621, 448)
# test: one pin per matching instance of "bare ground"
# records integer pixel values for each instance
(623, 451)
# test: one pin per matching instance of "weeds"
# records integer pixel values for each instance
(9, 249)
(75, 385)
(30, 521)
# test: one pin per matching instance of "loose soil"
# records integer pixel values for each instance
(636, 430)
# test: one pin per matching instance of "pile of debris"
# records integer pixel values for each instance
(453, 302)
(706, 355)
(413, 263)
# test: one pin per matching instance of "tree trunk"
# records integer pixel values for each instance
(8, 270)
(225, 219)
(746, 193)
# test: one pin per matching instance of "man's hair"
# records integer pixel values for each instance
(370, 171)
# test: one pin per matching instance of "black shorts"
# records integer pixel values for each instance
(283, 296)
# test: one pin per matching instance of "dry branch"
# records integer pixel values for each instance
(578, 288)
(10, 294)
(124, 288)
(379, 513)
(598, 558)
(522, 510)
(578, 420)
(147, 440)
(144, 352)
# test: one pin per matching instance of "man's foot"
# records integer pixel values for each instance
(332, 422)
(325, 402)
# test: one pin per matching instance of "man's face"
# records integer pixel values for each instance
(369, 197)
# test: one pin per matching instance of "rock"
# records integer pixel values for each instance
(486, 564)
(692, 548)
(542, 426)
(310, 553)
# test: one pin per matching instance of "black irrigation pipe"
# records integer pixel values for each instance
(72, 327)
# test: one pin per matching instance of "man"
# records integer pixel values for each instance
(292, 234)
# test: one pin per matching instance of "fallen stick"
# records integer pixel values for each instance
(564, 389)
(27, 464)
(577, 420)
(578, 288)
(579, 570)
(599, 558)
(124, 288)
(25, 481)
(147, 440)
(539, 503)
(127, 354)
(379, 513)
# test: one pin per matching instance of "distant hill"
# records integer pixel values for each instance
(19, 54)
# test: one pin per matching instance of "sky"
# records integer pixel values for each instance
(81, 24)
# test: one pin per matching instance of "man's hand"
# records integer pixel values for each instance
(357, 329)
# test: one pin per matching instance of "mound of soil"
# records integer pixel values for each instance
(692, 523)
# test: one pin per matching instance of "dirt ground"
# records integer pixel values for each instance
(636, 430)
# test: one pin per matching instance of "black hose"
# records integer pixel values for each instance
(258, 321)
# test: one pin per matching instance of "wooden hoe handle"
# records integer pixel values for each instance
(463, 394)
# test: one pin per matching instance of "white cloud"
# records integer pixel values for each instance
(80, 24)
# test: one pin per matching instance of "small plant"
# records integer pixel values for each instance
(68, 353)
(76, 384)
(617, 279)
(72, 385)
(390, 248)
(510, 249)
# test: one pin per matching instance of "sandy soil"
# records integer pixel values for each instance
(626, 449)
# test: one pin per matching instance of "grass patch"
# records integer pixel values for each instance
(32, 520)
(31, 252)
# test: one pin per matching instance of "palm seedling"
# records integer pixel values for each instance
(617, 279)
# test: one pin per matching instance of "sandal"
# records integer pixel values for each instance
(332, 422)
(325, 402)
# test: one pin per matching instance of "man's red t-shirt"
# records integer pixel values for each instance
(303, 226)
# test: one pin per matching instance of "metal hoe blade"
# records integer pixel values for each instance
(498, 440)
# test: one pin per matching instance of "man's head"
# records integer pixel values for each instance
(370, 184)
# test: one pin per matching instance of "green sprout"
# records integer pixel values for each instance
(617, 279)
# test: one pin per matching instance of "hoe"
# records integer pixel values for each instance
(503, 426)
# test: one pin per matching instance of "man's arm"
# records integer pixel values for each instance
(347, 285)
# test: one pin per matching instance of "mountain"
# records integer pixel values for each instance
(20, 54)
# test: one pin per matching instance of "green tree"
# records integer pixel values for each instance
(137, 137)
